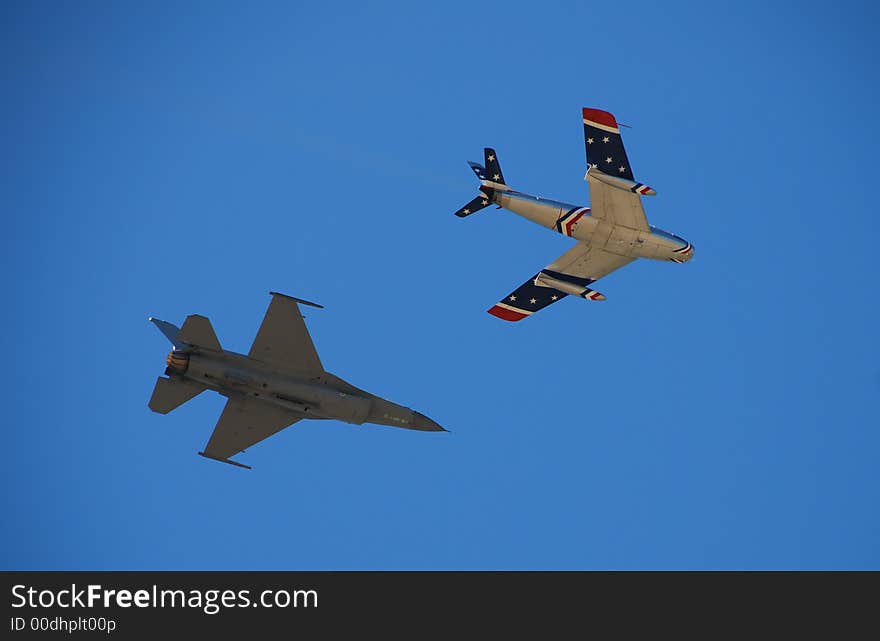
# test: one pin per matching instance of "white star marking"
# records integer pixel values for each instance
(496, 177)
(589, 141)
(533, 301)
(605, 139)
(554, 297)
(466, 211)
(608, 159)
(485, 202)
(513, 298)
(621, 169)
(491, 158)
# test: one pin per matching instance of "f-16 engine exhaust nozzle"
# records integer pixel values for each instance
(177, 362)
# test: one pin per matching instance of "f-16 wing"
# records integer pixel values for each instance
(614, 194)
(245, 421)
(283, 339)
(571, 273)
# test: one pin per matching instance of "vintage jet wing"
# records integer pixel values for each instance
(580, 266)
(283, 339)
(245, 421)
(616, 200)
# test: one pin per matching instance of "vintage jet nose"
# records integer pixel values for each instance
(422, 422)
(684, 254)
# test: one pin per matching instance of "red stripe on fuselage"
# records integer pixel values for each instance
(506, 314)
(569, 224)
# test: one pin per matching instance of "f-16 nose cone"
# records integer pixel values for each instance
(422, 422)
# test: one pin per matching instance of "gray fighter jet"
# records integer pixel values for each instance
(279, 382)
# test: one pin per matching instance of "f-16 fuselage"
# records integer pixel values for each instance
(324, 397)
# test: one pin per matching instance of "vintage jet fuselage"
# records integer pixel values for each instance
(575, 221)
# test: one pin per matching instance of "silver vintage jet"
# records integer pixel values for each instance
(279, 382)
(611, 233)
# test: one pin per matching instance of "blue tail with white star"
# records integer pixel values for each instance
(493, 168)
(491, 180)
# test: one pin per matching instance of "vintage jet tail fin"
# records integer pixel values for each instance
(493, 167)
(490, 175)
(171, 393)
(492, 180)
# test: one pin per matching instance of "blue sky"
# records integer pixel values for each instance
(715, 415)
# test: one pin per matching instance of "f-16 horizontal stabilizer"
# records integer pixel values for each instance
(171, 393)
(197, 331)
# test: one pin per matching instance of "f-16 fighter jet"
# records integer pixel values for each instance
(279, 382)
(611, 233)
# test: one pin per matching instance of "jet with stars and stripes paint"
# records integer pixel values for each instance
(611, 233)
